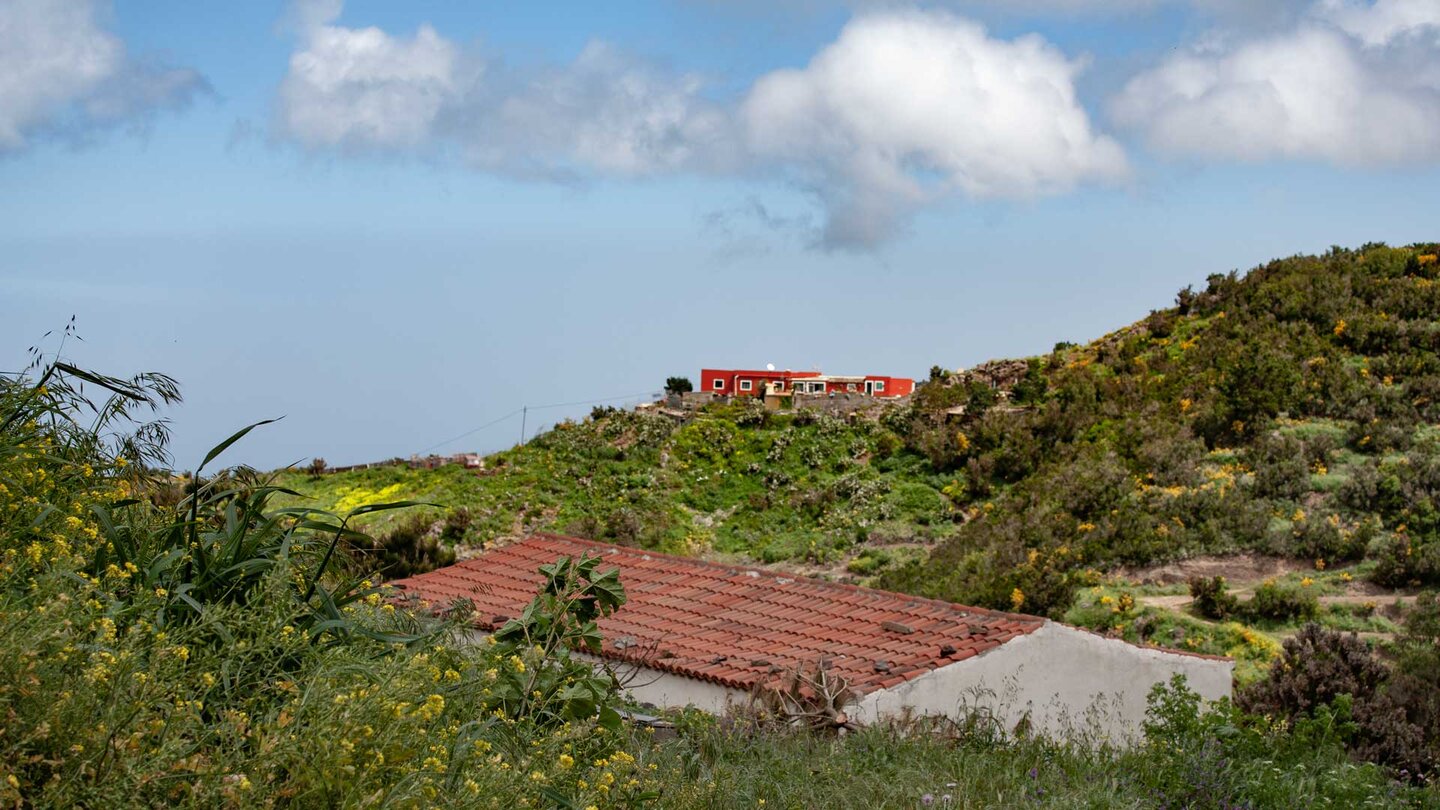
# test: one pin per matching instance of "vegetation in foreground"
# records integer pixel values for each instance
(218, 642)
(222, 652)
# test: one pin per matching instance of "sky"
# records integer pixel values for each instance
(394, 224)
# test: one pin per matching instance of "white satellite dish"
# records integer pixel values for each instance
(769, 366)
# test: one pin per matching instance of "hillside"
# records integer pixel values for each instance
(1289, 413)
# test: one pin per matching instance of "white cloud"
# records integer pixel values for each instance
(605, 113)
(907, 108)
(63, 75)
(361, 88)
(1247, 13)
(1352, 85)
(1385, 21)
(903, 110)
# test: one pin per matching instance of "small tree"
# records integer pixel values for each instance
(317, 467)
(678, 385)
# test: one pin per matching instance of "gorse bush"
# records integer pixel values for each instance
(1281, 602)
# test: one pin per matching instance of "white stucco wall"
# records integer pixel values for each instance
(676, 692)
(1068, 681)
(658, 688)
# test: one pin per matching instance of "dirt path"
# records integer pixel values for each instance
(1178, 601)
(1234, 567)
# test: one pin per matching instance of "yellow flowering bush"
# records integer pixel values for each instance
(205, 652)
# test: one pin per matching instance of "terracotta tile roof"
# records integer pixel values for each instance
(731, 625)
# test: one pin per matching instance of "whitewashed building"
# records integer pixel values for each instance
(710, 635)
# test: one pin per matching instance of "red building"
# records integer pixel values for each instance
(748, 383)
(733, 382)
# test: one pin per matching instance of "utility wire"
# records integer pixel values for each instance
(592, 401)
(521, 410)
(492, 422)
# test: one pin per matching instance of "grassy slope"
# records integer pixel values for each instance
(727, 483)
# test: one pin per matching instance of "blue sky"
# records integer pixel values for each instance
(392, 223)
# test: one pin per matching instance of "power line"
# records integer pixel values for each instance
(594, 401)
(472, 430)
(525, 411)
(525, 408)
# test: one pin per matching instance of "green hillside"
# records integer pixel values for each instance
(1290, 412)
(735, 480)
(1310, 382)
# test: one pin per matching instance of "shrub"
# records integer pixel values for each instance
(1317, 666)
(1322, 668)
(1282, 603)
(412, 547)
(456, 525)
(868, 562)
(917, 503)
(1415, 683)
(1212, 600)
(1402, 561)
(1317, 537)
(1281, 470)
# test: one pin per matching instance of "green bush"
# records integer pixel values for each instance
(1282, 603)
(1212, 600)
(1402, 561)
(916, 503)
(869, 562)
(413, 547)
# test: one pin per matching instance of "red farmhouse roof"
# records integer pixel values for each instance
(731, 625)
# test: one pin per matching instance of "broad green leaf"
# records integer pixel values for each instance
(223, 446)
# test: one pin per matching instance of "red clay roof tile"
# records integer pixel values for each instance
(701, 611)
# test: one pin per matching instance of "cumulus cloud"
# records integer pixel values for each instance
(908, 108)
(903, 110)
(362, 89)
(1352, 84)
(63, 75)
(606, 112)
(1384, 22)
